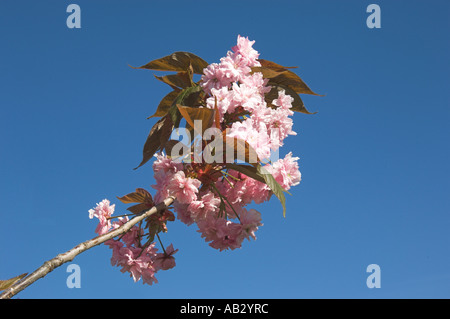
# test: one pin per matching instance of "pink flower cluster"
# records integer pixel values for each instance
(236, 89)
(127, 251)
(219, 208)
(202, 206)
(206, 195)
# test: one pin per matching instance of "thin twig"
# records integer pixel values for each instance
(51, 264)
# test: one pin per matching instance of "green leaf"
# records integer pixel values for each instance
(274, 186)
(5, 284)
(260, 174)
(177, 61)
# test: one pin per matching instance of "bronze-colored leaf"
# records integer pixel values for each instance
(247, 170)
(191, 114)
(292, 80)
(177, 61)
(297, 104)
(166, 132)
(179, 80)
(268, 73)
(165, 104)
(141, 196)
(153, 142)
(5, 284)
(189, 96)
(235, 149)
(170, 144)
(216, 114)
(274, 66)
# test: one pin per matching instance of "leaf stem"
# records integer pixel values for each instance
(160, 242)
(226, 199)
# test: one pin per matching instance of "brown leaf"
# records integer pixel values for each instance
(247, 170)
(177, 61)
(191, 114)
(234, 149)
(292, 80)
(179, 80)
(5, 284)
(153, 142)
(165, 104)
(170, 144)
(297, 104)
(268, 73)
(140, 196)
(274, 66)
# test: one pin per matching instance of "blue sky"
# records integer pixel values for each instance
(374, 159)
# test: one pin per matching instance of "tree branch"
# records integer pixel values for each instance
(69, 255)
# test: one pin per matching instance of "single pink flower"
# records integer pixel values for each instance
(208, 204)
(285, 171)
(244, 47)
(165, 260)
(250, 220)
(166, 164)
(137, 261)
(102, 211)
(184, 189)
(183, 213)
(222, 233)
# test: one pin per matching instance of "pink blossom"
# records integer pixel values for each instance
(183, 213)
(184, 189)
(244, 48)
(208, 204)
(215, 77)
(166, 164)
(285, 171)
(250, 220)
(234, 66)
(102, 211)
(115, 245)
(284, 100)
(246, 96)
(257, 81)
(222, 233)
(130, 238)
(165, 260)
(137, 261)
(224, 101)
(257, 137)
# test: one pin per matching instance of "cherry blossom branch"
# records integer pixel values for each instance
(69, 255)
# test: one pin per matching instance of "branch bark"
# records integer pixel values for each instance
(69, 255)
